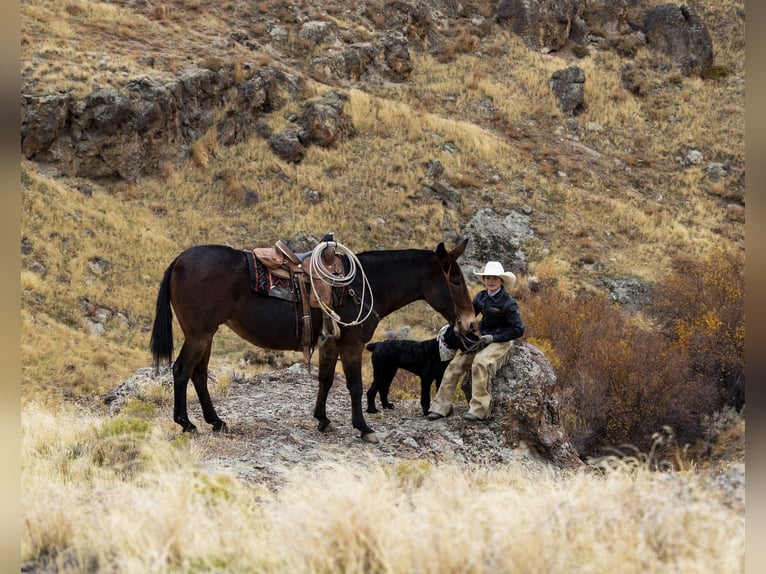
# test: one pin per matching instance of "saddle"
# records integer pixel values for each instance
(289, 270)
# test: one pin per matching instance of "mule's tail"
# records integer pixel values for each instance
(161, 342)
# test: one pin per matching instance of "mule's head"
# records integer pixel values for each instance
(448, 293)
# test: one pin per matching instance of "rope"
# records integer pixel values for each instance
(319, 270)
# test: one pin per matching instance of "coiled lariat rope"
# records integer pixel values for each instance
(320, 271)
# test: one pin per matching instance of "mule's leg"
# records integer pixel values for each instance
(182, 368)
(351, 358)
(199, 378)
(328, 357)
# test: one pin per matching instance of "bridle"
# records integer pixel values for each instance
(446, 275)
(469, 346)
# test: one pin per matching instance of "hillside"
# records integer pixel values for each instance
(149, 127)
(612, 193)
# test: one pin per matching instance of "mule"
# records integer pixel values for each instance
(209, 285)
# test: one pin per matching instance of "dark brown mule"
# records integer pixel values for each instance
(209, 286)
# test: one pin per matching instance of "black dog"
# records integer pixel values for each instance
(421, 358)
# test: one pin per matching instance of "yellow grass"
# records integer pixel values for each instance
(115, 495)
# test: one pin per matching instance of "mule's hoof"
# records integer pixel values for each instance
(220, 426)
(370, 437)
(329, 427)
(190, 428)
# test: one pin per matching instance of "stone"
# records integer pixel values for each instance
(524, 407)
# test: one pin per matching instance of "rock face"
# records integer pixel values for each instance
(542, 23)
(680, 33)
(524, 407)
(138, 130)
(272, 430)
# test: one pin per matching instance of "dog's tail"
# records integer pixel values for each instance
(371, 346)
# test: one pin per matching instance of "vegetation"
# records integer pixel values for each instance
(610, 196)
(622, 380)
(117, 496)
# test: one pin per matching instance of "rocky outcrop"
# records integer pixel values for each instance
(137, 130)
(386, 58)
(680, 33)
(271, 430)
(544, 24)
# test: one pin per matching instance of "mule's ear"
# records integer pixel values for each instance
(441, 251)
(457, 251)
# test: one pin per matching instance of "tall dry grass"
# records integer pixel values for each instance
(115, 495)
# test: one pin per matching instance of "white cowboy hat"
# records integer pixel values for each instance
(495, 268)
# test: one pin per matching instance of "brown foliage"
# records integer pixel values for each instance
(701, 306)
(618, 383)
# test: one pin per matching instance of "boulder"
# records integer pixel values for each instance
(325, 122)
(569, 87)
(288, 144)
(524, 407)
(680, 33)
(543, 24)
(498, 238)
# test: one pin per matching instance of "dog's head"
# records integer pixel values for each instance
(456, 342)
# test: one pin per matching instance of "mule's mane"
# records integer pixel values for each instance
(393, 254)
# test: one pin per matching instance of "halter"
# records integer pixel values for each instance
(469, 347)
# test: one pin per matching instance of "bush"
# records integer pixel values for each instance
(617, 382)
(701, 309)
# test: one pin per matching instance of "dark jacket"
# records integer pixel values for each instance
(499, 315)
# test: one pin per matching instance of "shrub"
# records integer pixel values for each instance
(617, 382)
(701, 309)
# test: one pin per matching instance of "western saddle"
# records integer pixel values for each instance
(283, 263)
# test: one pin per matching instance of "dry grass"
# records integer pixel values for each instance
(114, 495)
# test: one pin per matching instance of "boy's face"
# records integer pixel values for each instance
(492, 282)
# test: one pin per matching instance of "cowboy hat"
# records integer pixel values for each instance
(496, 268)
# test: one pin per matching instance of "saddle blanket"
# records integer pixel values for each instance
(266, 283)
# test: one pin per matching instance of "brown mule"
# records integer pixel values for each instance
(208, 286)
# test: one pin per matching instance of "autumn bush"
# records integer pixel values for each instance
(618, 382)
(702, 312)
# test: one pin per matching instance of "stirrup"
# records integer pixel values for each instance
(330, 328)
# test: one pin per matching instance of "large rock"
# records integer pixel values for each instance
(680, 33)
(541, 23)
(325, 121)
(524, 407)
(498, 238)
(569, 87)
